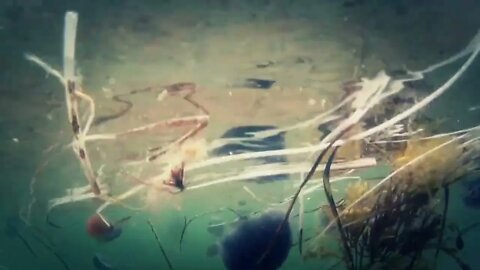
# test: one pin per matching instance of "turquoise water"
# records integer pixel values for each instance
(298, 54)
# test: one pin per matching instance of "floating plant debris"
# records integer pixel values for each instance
(177, 178)
(275, 142)
(216, 230)
(187, 222)
(127, 106)
(270, 143)
(256, 83)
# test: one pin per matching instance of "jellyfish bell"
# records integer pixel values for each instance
(244, 247)
(99, 228)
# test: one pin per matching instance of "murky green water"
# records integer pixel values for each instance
(305, 49)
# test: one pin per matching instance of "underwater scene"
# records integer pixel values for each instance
(240, 134)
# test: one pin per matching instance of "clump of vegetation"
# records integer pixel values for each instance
(429, 172)
(353, 192)
(393, 224)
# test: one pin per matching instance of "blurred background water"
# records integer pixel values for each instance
(308, 48)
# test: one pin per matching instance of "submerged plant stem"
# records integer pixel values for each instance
(333, 207)
(297, 193)
(446, 193)
(160, 245)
